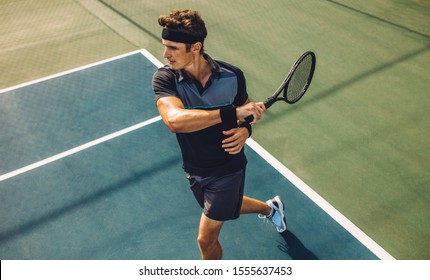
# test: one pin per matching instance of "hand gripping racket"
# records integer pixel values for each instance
(295, 84)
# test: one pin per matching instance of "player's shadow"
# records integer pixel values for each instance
(295, 248)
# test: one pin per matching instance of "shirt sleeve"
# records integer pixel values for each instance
(242, 94)
(163, 83)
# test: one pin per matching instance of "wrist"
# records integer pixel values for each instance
(228, 116)
(248, 127)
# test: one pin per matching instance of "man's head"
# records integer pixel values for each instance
(184, 26)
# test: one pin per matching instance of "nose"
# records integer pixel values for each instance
(166, 53)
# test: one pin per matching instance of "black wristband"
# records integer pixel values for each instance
(228, 116)
(248, 126)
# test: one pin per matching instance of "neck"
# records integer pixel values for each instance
(199, 69)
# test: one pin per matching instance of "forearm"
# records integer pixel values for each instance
(181, 120)
(190, 120)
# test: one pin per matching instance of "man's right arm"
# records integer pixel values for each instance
(181, 120)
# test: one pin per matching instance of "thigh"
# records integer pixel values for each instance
(209, 229)
(220, 197)
(223, 197)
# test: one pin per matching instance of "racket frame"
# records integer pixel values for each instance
(284, 85)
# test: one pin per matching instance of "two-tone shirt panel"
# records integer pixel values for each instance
(220, 90)
(202, 150)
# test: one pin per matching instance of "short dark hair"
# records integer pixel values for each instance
(187, 21)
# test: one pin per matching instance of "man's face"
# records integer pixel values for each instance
(176, 54)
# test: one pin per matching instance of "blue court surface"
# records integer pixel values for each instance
(90, 172)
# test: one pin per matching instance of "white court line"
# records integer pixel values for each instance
(78, 149)
(89, 144)
(151, 58)
(69, 71)
(321, 202)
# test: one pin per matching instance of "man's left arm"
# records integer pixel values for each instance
(237, 136)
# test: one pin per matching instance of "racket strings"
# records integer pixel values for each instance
(299, 80)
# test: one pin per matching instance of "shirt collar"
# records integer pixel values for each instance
(215, 68)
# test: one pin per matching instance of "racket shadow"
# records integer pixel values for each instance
(295, 248)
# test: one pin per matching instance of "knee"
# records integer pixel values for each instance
(206, 242)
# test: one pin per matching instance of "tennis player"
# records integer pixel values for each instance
(205, 102)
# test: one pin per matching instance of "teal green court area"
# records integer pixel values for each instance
(89, 171)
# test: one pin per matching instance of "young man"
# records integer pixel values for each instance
(205, 103)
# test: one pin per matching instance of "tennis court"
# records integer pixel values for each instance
(104, 178)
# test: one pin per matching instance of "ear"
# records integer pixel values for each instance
(197, 47)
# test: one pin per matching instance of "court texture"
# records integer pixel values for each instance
(89, 171)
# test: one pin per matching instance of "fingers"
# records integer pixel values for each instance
(234, 144)
(251, 108)
(233, 148)
(261, 106)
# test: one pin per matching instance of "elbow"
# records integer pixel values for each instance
(173, 113)
(174, 125)
(173, 128)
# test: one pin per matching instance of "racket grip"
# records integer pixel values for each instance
(269, 101)
(249, 118)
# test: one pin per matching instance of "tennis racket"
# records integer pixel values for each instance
(295, 84)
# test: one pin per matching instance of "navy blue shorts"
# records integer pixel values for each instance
(220, 197)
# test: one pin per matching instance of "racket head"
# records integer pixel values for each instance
(299, 78)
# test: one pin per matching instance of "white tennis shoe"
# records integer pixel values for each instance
(276, 216)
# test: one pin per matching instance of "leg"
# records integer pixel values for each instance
(209, 245)
(250, 205)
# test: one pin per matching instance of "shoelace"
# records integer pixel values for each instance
(265, 218)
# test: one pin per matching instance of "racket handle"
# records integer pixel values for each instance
(249, 118)
(269, 101)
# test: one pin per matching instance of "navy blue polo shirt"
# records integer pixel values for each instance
(202, 151)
